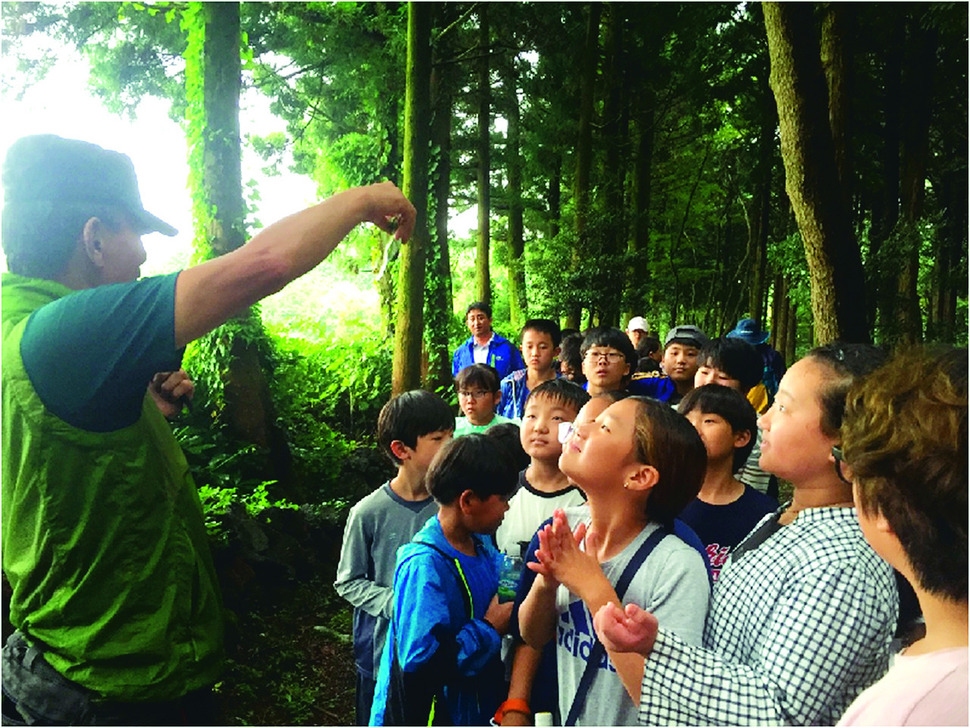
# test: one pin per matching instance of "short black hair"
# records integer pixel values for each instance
(569, 355)
(736, 357)
(561, 391)
(474, 462)
(734, 407)
(613, 338)
(410, 415)
(507, 434)
(478, 375)
(544, 326)
(648, 345)
(849, 363)
(479, 306)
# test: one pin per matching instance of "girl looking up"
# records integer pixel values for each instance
(803, 612)
(639, 463)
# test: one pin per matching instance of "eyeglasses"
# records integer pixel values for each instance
(472, 395)
(566, 430)
(611, 357)
(837, 454)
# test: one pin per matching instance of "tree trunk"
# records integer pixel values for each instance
(837, 23)
(390, 171)
(517, 296)
(885, 212)
(791, 339)
(811, 176)
(213, 121)
(917, 105)
(948, 277)
(555, 195)
(584, 146)
(614, 137)
(779, 320)
(439, 291)
(760, 215)
(483, 279)
(638, 274)
(409, 331)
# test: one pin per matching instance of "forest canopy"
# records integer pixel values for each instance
(801, 164)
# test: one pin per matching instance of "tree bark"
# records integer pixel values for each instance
(220, 227)
(584, 145)
(811, 176)
(409, 331)
(439, 264)
(614, 174)
(917, 104)
(483, 279)
(885, 211)
(518, 304)
(837, 22)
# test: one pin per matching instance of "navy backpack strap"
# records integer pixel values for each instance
(596, 653)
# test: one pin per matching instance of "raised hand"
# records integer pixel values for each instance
(390, 210)
(561, 559)
(631, 629)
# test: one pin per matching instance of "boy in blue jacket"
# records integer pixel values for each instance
(441, 660)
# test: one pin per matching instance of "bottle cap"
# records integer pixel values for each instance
(543, 719)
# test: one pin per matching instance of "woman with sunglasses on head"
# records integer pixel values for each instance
(803, 613)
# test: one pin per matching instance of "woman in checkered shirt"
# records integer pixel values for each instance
(803, 614)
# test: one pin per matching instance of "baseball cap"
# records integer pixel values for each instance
(686, 333)
(49, 168)
(638, 323)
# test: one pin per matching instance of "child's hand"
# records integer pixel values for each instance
(626, 630)
(561, 557)
(499, 615)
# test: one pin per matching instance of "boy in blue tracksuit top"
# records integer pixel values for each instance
(484, 346)
(441, 659)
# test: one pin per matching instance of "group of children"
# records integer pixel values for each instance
(614, 620)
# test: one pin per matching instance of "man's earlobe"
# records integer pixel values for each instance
(91, 238)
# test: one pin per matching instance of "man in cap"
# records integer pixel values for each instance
(774, 363)
(637, 329)
(114, 597)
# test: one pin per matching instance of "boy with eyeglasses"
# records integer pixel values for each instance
(479, 395)
(609, 360)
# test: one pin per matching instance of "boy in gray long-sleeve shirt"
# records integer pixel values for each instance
(410, 430)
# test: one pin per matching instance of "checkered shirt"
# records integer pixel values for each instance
(797, 628)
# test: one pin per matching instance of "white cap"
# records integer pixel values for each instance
(638, 323)
(543, 719)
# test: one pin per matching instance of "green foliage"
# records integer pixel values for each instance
(217, 502)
